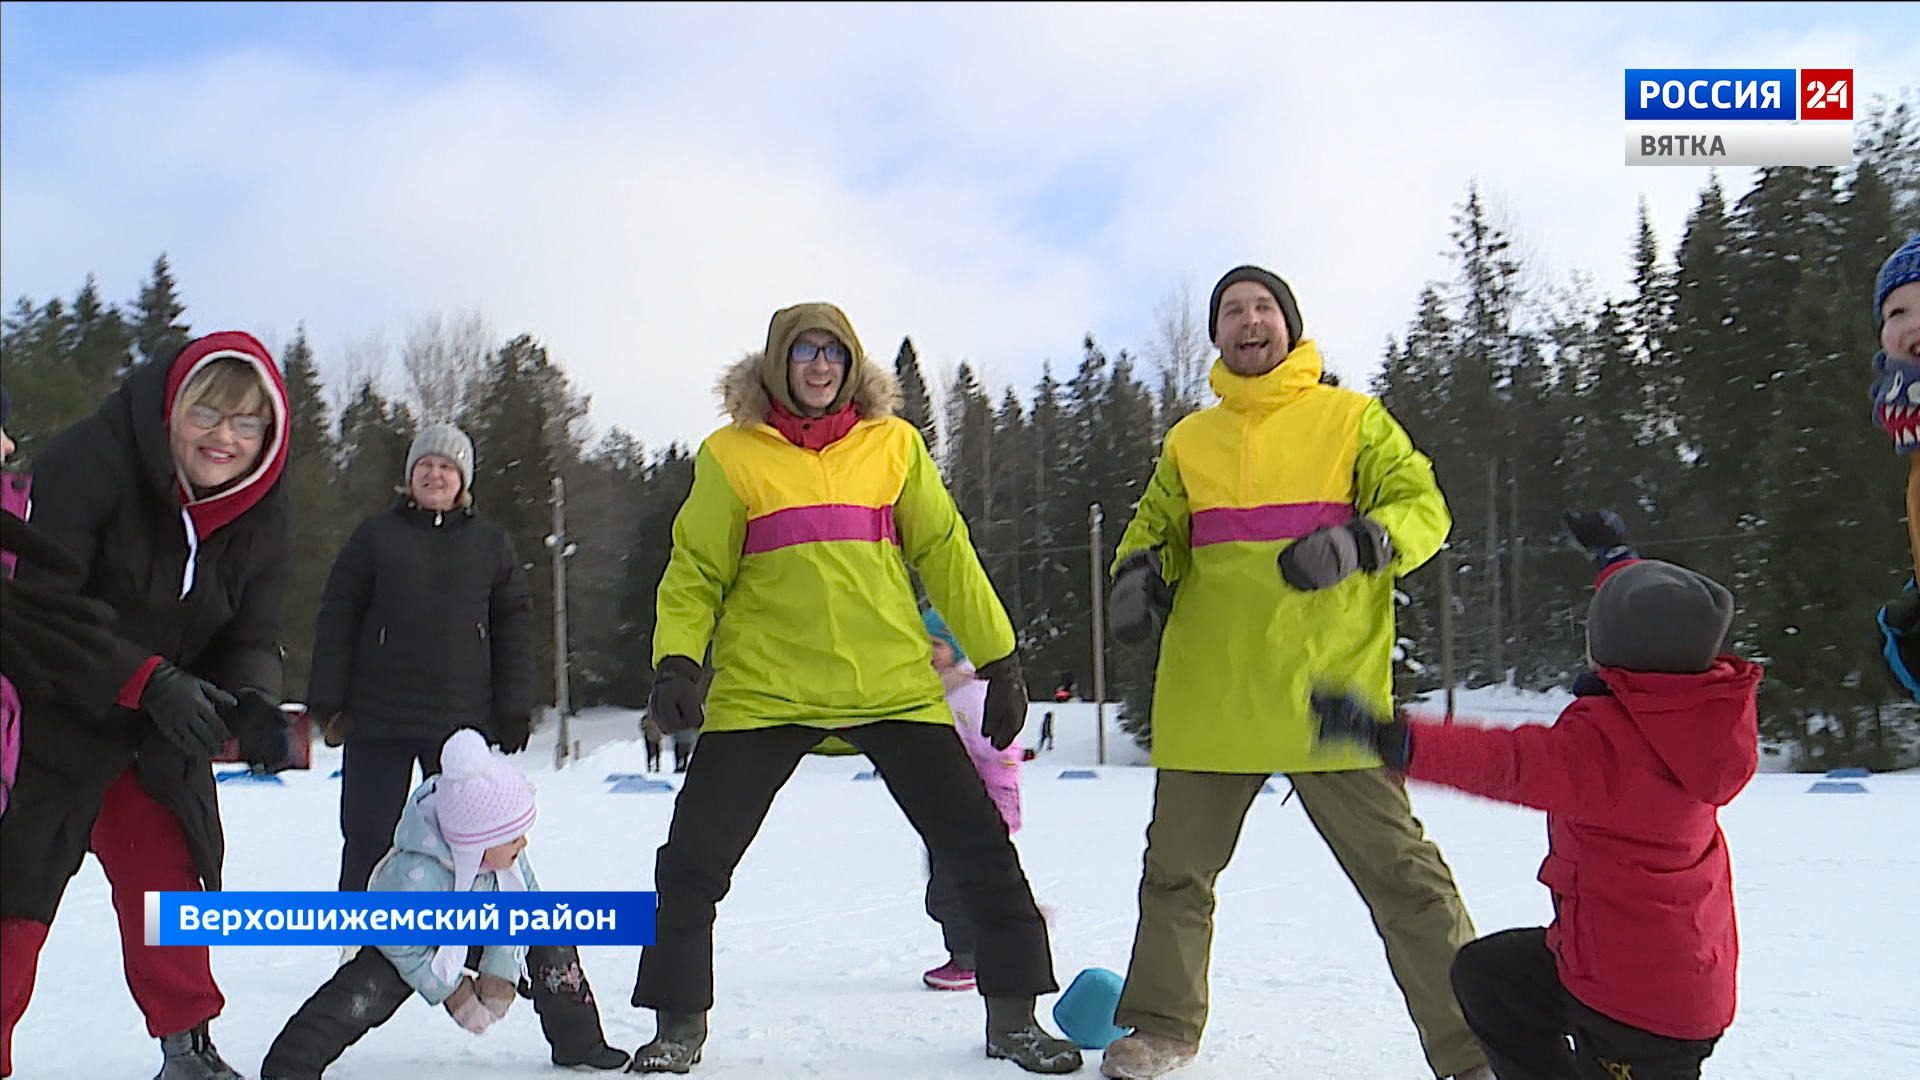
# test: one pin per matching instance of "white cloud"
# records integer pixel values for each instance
(646, 186)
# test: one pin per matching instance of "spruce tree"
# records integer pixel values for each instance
(158, 333)
(374, 438)
(319, 529)
(915, 406)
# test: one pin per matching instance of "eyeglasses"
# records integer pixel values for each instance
(206, 418)
(803, 353)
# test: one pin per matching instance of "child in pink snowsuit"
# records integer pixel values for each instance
(999, 771)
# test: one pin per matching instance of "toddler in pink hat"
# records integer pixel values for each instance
(463, 830)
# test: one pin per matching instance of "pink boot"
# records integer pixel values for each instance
(949, 976)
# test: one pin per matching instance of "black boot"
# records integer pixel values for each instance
(677, 1039)
(1014, 1034)
(569, 1015)
(602, 1058)
(190, 1056)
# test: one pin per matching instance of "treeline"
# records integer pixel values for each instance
(1720, 406)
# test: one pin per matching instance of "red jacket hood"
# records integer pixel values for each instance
(1703, 727)
(214, 511)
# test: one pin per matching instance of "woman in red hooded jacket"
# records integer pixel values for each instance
(169, 498)
(1636, 975)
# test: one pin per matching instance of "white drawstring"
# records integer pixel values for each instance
(193, 554)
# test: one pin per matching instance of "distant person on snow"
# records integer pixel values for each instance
(425, 627)
(1635, 976)
(1896, 409)
(999, 769)
(791, 558)
(463, 830)
(169, 500)
(1266, 544)
(650, 734)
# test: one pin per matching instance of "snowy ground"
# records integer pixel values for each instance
(823, 939)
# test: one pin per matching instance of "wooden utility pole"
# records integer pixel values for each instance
(557, 543)
(1493, 568)
(1513, 553)
(1099, 579)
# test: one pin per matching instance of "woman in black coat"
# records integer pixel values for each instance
(170, 500)
(425, 628)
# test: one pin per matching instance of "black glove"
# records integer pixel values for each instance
(511, 731)
(1902, 613)
(1140, 600)
(1326, 556)
(1601, 534)
(1345, 718)
(335, 725)
(187, 710)
(261, 729)
(1005, 712)
(49, 633)
(675, 700)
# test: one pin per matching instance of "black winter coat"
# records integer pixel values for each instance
(105, 489)
(425, 627)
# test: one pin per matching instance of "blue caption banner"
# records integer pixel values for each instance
(400, 918)
(1712, 94)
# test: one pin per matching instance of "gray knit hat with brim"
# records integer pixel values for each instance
(450, 443)
(1655, 616)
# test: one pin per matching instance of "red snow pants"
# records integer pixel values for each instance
(143, 849)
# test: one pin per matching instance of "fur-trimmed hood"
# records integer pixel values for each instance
(749, 389)
(876, 393)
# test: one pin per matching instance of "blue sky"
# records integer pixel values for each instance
(639, 187)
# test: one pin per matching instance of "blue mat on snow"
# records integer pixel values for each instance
(246, 776)
(1851, 772)
(1837, 787)
(1079, 774)
(636, 785)
(870, 774)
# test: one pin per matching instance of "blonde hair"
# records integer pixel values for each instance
(229, 384)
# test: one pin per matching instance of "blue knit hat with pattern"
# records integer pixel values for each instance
(1901, 268)
(937, 628)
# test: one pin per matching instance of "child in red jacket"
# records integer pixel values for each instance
(1635, 977)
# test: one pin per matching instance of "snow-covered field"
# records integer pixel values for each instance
(823, 939)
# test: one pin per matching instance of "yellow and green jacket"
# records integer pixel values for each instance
(793, 563)
(1279, 456)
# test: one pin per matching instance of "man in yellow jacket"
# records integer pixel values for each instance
(1267, 543)
(790, 559)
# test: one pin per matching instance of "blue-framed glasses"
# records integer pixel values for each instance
(803, 353)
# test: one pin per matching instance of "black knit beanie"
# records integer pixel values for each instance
(1289, 309)
(1655, 616)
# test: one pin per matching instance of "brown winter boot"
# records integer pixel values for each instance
(676, 1044)
(1144, 1055)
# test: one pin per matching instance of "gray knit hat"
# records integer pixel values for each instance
(450, 443)
(1655, 616)
(1268, 280)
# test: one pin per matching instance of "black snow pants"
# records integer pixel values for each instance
(1532, 1029)
(367, 991)
(729, 787)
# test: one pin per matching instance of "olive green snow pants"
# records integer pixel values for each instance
(1366, 820)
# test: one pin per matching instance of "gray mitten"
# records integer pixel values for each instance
(1327, 556)
(1140, 600)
